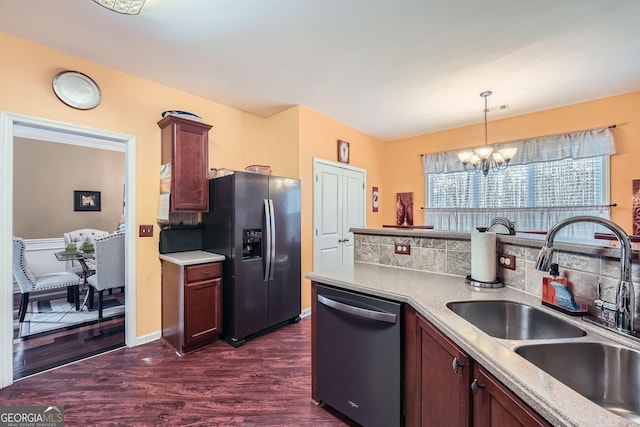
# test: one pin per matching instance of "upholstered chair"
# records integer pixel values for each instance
(110, 267)
(78, 237)
(29, 282)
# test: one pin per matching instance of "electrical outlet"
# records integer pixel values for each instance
(403, 249)
(507, 261)
(146, 231)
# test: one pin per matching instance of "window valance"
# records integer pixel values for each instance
(576, 145)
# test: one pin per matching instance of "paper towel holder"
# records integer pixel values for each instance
(480, 284)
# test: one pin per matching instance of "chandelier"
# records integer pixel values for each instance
(484, 158)
(127, 7)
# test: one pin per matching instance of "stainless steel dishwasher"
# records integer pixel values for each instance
(359, 356)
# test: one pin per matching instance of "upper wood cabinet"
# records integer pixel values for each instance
(185, 143)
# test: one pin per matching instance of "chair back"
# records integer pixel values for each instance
(79, 237)
(21, 271)
(109, 255)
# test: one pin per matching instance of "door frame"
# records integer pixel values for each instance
(316, 162)
(8, 123)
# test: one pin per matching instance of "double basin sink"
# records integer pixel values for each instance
(605, 373)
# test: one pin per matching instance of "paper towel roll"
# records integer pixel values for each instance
(483, 257)
(163, 208)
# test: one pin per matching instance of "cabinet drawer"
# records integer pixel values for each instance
(199, 272)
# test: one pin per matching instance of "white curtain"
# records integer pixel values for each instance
(575, 145)
(536, 219)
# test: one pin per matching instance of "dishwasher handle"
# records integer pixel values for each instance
(357, 311)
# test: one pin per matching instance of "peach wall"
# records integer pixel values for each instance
(319, 137)
(622, 110)
(133, 106)
(287, 141)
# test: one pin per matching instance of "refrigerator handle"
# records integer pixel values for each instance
(267, 250)
(272, 255)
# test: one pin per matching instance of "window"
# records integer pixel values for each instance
(534, 195)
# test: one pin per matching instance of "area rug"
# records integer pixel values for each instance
(44, 316)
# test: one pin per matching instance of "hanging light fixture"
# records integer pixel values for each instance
(484, 158)
(126, 7)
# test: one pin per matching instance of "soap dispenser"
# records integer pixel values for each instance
(557, 293)
(548, 291)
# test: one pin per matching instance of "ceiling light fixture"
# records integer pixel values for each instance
(484, 159)
(126, 7)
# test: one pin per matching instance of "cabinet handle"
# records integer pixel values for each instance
(476, 386)
(456, 365)
(205, 273)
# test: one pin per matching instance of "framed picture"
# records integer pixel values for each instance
(636, 206)
(343, 151)
(374, 199)
(404, 209)
(86, 201)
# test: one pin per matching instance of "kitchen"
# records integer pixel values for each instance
(288, 142)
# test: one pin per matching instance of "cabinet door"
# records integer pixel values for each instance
(185, 144)
(203, 310)
(495, 405)
(444, 376)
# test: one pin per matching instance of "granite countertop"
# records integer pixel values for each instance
(191, 257)
(428, 294)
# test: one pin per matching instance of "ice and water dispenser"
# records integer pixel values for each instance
(252, 243)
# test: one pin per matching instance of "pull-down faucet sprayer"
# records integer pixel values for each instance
(625, 295)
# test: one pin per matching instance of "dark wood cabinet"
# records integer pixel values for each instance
(191, 305)
(439, 381)
(185, 144)
(495, 405)
(438, 376)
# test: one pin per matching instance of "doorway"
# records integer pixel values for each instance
(339, 204)
(12, 125)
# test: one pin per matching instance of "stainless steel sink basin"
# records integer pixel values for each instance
(608, 375)
(514, 321)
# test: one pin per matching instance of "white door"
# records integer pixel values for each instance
(338, 205)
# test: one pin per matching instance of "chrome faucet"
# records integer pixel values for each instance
(625, 294)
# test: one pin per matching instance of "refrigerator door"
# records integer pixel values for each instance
(284, 287)
(249, 292)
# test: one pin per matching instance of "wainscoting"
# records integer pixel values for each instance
(39, 253)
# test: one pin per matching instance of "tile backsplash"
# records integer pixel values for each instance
(442, 253)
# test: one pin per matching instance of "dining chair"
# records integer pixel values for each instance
(29, 282)
(110, 267)
(78, 237)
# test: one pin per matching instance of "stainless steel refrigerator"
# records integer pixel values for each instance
(254, 221)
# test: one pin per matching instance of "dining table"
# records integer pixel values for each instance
(73, 294)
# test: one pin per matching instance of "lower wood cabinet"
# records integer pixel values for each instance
(438, 382)
(438, 376)
(191, 305)
(495, 405)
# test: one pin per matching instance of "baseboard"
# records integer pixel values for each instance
(148, 338)
(306, 312)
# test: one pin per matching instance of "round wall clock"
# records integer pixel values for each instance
(77, 90)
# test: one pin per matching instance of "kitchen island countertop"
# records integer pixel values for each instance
(191, 257)
(428, 294)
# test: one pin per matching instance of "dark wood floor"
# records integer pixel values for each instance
(44, 351)
(266, 382)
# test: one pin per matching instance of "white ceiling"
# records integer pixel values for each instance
(388, 68)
